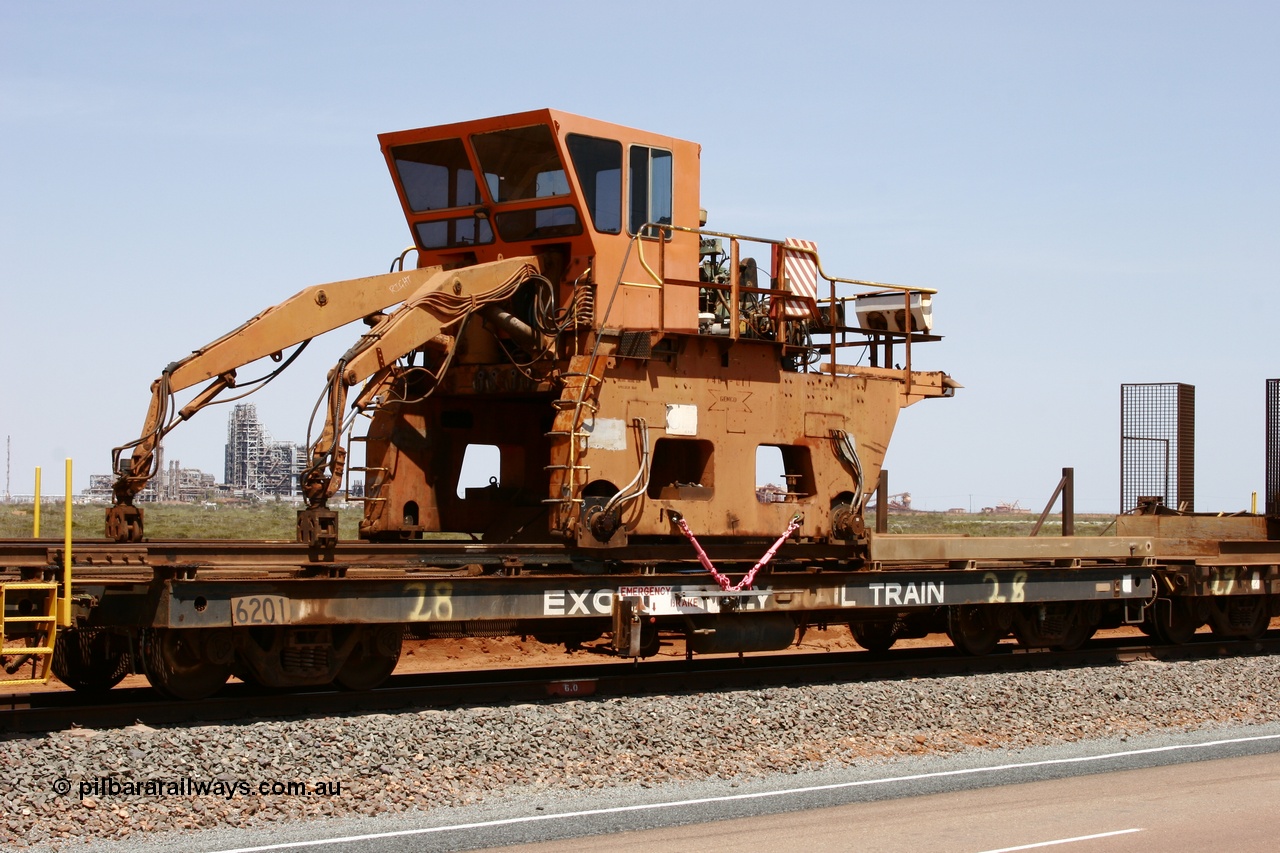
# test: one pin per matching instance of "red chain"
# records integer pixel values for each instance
(720, 577)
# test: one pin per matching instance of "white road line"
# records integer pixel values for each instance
(836, 786)
(1062, 841)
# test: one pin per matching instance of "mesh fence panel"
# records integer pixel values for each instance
(1273, 447)
(1157, 444)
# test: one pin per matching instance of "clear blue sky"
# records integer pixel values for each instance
(1092, 187)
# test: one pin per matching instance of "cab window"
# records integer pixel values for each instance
(520, 164)
(451, 233)
(538, 223)
(598, 165)
(649, 189)
(435, 175)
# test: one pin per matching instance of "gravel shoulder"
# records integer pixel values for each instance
(208, 787)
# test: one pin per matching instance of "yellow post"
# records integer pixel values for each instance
(64, 618)
(1253, 506)
(35, 533)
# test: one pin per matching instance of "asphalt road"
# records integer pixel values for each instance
(1225, 804)
(1198, 791)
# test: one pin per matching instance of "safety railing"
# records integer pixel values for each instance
(779, 313)
(32, 610)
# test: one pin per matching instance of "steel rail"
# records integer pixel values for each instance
(106, 555)
(104, 559)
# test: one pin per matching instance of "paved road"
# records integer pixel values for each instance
(1169, 792)
(1227, 804)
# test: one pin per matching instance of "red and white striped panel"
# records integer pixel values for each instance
(801, 271)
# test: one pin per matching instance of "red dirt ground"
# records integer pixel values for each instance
(513, 652)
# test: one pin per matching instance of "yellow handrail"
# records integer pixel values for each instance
(64, 618)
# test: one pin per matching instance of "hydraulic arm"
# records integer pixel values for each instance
(296, 320)
(430, 321)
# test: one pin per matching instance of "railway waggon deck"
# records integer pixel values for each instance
(270, 612)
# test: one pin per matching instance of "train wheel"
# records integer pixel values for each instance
(875, 636)
(1060, 625)
(1078, 634)
(650, 641)
(1175, 620)
(86, 660)
(175, 664)
(1244, 617)
(248, 676)
(374, 658)
(975, 629)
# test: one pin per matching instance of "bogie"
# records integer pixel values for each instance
(1061, 625)
(91, 660)
(1175, 620)
(178, 663)
(358, 657)
(976, 629)
(878, 636)
(1243, 617)
(373, 657)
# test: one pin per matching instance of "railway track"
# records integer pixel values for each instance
(55, 711)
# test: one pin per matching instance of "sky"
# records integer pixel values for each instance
(1090, 186)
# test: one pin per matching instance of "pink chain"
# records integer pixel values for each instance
(720, 577)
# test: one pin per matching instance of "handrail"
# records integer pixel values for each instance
(64, 612)
(735, 288)
(797, 249)
(637, 239)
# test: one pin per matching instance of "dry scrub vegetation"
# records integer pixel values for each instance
(275, 520)
(267, 520)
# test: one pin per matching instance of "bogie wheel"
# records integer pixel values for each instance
(247, 675)
(1175, 620)
(975, 629)
(374, 658)
(650, 641)
(88, 661)
(1056, 625)
(175, 663)
(1077, 635)
(875, 636)
(1245, 617)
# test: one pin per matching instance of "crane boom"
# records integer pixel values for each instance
(431, 316)
(309, 312)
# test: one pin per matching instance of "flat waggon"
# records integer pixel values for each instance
(569, 307)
